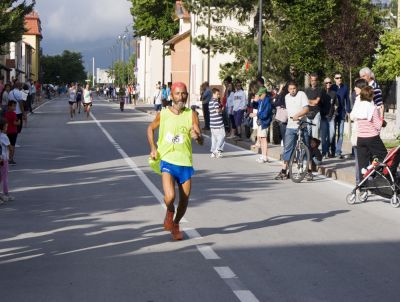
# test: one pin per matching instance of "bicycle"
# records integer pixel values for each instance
(300, 159)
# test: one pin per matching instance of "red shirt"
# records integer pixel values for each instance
(11, 118)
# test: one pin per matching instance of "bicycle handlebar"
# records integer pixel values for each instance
(301, 122)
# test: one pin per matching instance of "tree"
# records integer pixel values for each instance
(387, 64)
(155, 19)
(12, 21)
(65, 68)
(353, 34)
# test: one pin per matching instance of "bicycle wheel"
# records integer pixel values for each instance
(298, 164)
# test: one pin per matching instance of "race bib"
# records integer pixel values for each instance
(174, 139)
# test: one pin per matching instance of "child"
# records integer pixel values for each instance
(216, 125)
(5, 147)
(12, 131)
(316, 156)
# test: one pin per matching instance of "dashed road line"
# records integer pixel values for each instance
(207, 252)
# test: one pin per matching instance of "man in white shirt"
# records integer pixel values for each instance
(297, 107)
(157, 98)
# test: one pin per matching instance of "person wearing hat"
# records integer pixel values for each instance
(177, 125)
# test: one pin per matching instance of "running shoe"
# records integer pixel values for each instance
(219, 154)
(168, 221)
(176, 233)
(262, 160)
(10, 198)
(212, 155)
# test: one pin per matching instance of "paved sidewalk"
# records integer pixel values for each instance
(335, 168)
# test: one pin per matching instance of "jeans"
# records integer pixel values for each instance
(217, 139)
(327, 135)
(238, 119)
(339, 129)
(4, 176)
(157, 107)
(206, 114)
(313, 131)
(290, 142)
(357, 168)
(282, 130)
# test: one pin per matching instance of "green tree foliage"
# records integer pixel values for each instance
(292, 37)
(65, 68)
(154, 19)
(12, 22)
(387, 65)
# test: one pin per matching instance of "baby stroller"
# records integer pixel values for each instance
(380, 178)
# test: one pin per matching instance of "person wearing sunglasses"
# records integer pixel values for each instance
(344, 109)
(329, 105)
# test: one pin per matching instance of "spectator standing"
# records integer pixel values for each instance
(2, 86)
(297, 107)
(157, 98)
(358, 85)
(216, 125)
(329, 104)
(12, 129)
(366, 74)
(314, 96)
(229, 108)
(344, 108)
(224, 101)
(281, 114)
(239, 106)
(369, 124)
(5, 97)
(205, 97)
(16, 95)
(5, 151)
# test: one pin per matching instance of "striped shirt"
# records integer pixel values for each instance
(215, 116)
(378, 100)
(366, 128)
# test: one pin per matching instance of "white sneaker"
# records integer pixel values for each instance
(1, 202)
(262, 160)
(219, 154)
(4, 198)
(212, 155)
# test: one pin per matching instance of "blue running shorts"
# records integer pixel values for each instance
(180, 173)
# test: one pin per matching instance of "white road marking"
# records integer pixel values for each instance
(192, 233)
(245, 296)
(207, 252)
(225, 272)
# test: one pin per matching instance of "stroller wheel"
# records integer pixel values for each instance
(351, 198)
(363, 197)
(395, 201)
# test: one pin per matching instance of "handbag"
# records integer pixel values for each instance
(281, 115)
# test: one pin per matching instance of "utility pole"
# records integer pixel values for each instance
(93, 72)
(209, 46)
(260, 31)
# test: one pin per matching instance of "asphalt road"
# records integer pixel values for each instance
(87, 224)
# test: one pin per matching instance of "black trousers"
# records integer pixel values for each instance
(369, 148)
(206, 112)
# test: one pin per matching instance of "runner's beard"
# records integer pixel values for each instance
(180, 105)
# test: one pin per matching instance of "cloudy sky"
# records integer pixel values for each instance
(87, 26)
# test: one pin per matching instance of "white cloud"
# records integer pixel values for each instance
(83, 20)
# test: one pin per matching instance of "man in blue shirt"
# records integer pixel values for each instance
(344, 108)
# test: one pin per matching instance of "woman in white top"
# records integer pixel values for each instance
(72, 100)
(87, 99)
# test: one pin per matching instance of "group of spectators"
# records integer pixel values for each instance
(129, 94)
(327, 107)
(16, 101)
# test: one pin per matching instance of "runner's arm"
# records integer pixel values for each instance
(196, 132)
(150, 136)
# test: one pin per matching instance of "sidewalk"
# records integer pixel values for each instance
(335, 168)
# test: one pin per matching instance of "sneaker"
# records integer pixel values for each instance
(12, 163)
(168, 221)
(309, 176)
(1, 202)
(176, 233)
(219, 154)
(262, 160)
(9, 197)
(341, 156)
(212, 155)
(4, 198)
(231, 136)
(281, 176)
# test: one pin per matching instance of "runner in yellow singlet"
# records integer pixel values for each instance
(177, 125)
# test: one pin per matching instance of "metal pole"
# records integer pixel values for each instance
(260, 31)
(93, 71)
(209, 47)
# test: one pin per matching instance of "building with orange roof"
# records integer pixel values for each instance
(32, 37)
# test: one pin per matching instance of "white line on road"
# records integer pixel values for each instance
(225, 272)
(245, 296)
(207, 252)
